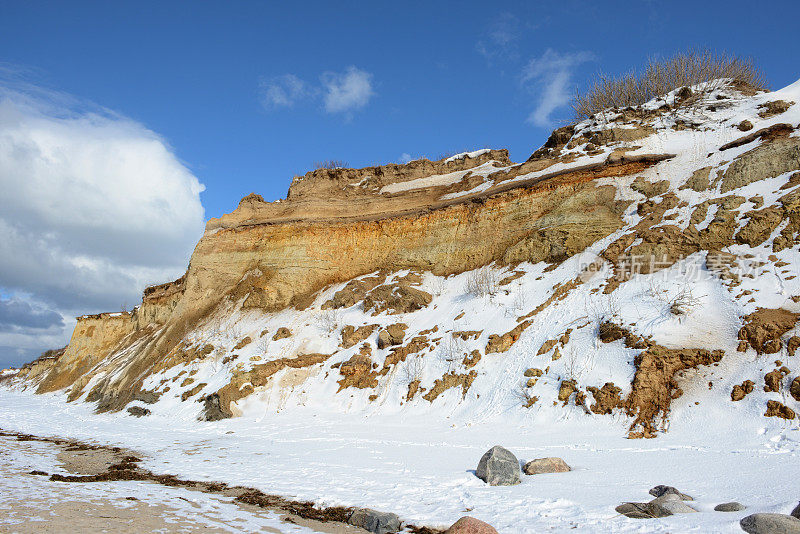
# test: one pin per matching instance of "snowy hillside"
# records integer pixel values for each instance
(665, 308)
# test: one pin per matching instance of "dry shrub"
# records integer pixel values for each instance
(330, 164)
(482, 282)
(660, 76)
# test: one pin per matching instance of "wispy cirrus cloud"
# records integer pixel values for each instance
(283, 91)
(549, 78)
(340, 92)
(500, 38)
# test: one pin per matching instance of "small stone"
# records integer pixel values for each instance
(770, 524)
(546, 465)
(470, 525)
(745, 125)
(374, 521)
(660, 490)
(498, 467)
(138, 411)
(729, 507)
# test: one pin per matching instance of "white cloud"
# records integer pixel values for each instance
(550, 77)
(93, 206)
(283, 91)
(405, 157)
(500, 38)
(346, 91)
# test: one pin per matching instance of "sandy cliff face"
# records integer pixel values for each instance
(371, 281)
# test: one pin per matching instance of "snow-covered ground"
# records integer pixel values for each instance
(32, 503)
(422, 468)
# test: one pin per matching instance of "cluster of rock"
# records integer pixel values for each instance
(499, 467)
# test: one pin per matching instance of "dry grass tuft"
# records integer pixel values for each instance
(660, 76)
(330, 164)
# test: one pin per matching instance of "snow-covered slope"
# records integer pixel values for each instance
(641, 314)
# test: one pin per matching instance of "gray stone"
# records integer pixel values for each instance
(765, 161)
(796, 511)
(770, 524)
(546, 465)
(642, 510)
(499, 467)
(138, 411)
(729, 507)
(660, 490)
(673, 503)
(374, 521)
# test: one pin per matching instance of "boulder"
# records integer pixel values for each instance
(138, 411)
(660, 490)
(796, 511)
(374, 521)
(673, 503)
(546, 465)
(729, 507)
(642, 510)
(770, 524)
(470, 525)
(498, 467)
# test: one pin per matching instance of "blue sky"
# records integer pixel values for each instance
(445, 76)
(126, 125)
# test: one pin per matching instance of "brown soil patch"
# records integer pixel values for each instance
(742, 390)
(776, 409)
(451, 380)
(606, 398)
(282, 333)
(774, 380)
(501, 343)
(352, 335)
(472, 359)
(763, 329)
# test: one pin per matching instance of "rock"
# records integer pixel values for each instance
(546, 465)
(282, 333)
(794, 389)
(660, 490)
(796, 511)
(740, 391)
(392, 335)
(499, 467)
(673, 503)
(642, 510)
(374, 521)
(745, 126)
(566, 389)
(470, 525)
(770, 524)
(777, 409)
(138, 411)
(729, 507)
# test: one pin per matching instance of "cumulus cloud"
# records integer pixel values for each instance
(283, 91)
(550, 78)
(347, 91)
(340, 92)
(17, 315)
(93, 207)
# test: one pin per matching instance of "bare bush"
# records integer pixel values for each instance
(660, 76)
(329, 319)
(331, 164)
(452, 353)
(524, 395)
(482, 282)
